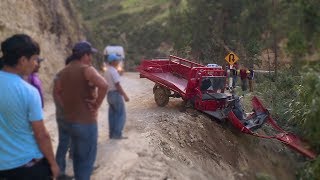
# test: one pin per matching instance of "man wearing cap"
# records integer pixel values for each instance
(35, 81)
(117, 113)
(80, 90)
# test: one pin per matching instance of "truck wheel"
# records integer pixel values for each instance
(161, 96)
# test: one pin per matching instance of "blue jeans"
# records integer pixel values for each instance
(84, 147)
(117, 114)
(63, 146)
(234, 81)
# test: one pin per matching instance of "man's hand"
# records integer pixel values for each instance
(55, 170)
(96, 80)
(126, 98)
(121, 91)
(93, 106)
(44, 142)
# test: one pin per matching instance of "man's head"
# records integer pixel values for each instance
(113, 59)
(20, 52)
(83, 51)
(37, 67)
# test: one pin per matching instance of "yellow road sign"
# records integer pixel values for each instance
(231, 58)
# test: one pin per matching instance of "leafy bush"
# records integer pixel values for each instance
(295, 103)
(279, 94)
(311, 170)
(306, 108)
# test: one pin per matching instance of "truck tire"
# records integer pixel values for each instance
(161, 96)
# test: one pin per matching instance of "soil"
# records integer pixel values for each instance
(164, 143)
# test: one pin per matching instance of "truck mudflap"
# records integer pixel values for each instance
(258, 117)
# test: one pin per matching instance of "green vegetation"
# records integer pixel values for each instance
(139, 26)
(295, 101)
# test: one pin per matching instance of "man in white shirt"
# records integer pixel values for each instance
(115, 97)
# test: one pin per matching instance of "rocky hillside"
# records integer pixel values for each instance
(52, 23)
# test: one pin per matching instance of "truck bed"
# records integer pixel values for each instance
(169, 78)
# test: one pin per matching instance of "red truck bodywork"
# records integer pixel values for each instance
(183, 77)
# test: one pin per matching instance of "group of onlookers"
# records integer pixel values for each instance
(245, 75)
(25, 145)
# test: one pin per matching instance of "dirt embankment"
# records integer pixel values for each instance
(53, 24)
(165, 143)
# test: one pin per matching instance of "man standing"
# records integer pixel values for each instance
(64, 137)
(243, 76)
(34, 80)
(80, 91)
(251, 78)
(234, 74)
(117, 113)
(25, 145)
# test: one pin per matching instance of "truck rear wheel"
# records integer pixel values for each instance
(161, 96)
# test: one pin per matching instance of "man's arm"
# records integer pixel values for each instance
(44, 142)
(57, 91)
(119, 89)
(97, 80)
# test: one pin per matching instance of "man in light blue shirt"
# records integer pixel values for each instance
(25, 146)
(20, 106)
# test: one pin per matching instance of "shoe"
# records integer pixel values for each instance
(119, 138)
(65, 177)
(94, 169)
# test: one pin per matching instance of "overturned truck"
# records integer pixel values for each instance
(204, 87)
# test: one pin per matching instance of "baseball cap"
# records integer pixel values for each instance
(113, 57)
(83, 47)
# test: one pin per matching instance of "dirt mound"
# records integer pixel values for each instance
(195, 140)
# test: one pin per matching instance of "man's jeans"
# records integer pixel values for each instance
(117, 114)
(84, 146)
(63, 146)
(234, 81)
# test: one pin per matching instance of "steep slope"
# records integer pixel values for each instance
(53, 24)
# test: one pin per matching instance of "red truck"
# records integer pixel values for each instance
(204, 87)
(177, 77)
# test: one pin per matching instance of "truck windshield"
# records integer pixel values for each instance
(212, 83)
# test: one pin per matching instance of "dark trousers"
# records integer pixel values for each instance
(251, 85)
(244, 84)
(39, 171)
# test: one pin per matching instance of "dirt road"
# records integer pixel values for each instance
(165, 143)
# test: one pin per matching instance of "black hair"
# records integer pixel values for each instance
(68, 60)
(17, 46)
(1, 64)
